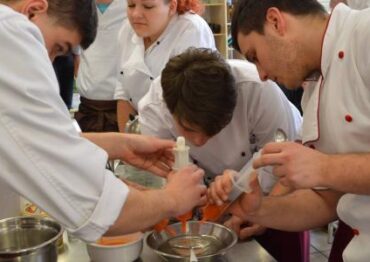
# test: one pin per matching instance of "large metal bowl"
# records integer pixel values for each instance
(29, 239)
(209, 241)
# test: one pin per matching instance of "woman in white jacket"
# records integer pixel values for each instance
(155, 31)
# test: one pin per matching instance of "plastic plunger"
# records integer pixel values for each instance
(181, 153)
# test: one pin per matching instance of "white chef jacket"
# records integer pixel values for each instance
(358, 4)
(139, 67)
(260, 110)
(336, 111)
(97, 74)
(43, 157)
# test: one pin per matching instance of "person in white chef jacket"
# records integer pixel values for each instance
(354, 4)
(226, 115)
(97, 74)
(45, 159)
(291, 43)
(154, 32)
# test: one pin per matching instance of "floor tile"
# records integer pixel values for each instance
(319, 240)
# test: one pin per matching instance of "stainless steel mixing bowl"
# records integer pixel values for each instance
(29, 239)
(209, 241)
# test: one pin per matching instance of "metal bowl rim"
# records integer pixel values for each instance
(37, 247)
(219, 252)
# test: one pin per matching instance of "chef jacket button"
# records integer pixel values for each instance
(243, 154)
(341, 54)
(130, 99)
(158, 42)
(312, 146)
(151, 78)
(348, 118)
(195, 162)
(121, 72)
(355, 232)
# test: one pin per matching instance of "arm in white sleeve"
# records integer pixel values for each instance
(43, 156)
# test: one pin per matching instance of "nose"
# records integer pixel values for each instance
(136, 12)
(262, 74)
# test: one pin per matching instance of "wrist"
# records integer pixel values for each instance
(169, 203)
(325, 176)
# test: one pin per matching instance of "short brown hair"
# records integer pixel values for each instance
(76, 14)
(250, 15)
(73, 14)
(199, 90)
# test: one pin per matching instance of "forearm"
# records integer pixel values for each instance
(124, 109)
(112, 143)
(142, 209)
(348, 173)
(297, 211)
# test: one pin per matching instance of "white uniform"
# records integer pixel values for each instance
(139, 67)
(97, 75)
(42, 156)
(358, 4)
(261, 108)
(337, 111)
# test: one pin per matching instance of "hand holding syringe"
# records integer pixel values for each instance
(231, 185)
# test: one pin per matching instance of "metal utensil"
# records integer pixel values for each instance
(193, 257)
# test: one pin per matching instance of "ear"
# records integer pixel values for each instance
(32, 8)
(276, 20)
(173, 7)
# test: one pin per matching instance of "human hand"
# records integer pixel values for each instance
(248, 203)
(243, 228)
(296, 165)
(149, 153)
(186, 189)
(219, 190)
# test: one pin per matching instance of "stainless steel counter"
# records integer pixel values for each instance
(249, 251)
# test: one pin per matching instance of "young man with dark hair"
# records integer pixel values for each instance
(46, 160)
(226, 114)
(292, 42)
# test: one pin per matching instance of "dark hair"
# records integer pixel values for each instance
(250, 15)
(199, 90)
(76, 14)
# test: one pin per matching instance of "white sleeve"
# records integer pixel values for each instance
(197, 34)
(43, 157)
(151, 117)
(361, 46)
(268, 110)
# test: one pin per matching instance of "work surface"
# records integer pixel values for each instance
(249, 251)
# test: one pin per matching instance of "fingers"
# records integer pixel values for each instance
(249, 231)
(163, 143)
(219, 190)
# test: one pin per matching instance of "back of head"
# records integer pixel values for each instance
(76, 14)
(199, 90)
(250, 15)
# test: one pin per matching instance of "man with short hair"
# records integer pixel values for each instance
(226, 115)
(46, 160)
(292, 42)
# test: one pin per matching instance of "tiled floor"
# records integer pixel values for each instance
(320, 248)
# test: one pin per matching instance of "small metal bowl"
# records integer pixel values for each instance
(29, 239)
(127, 251)
(209, 241)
